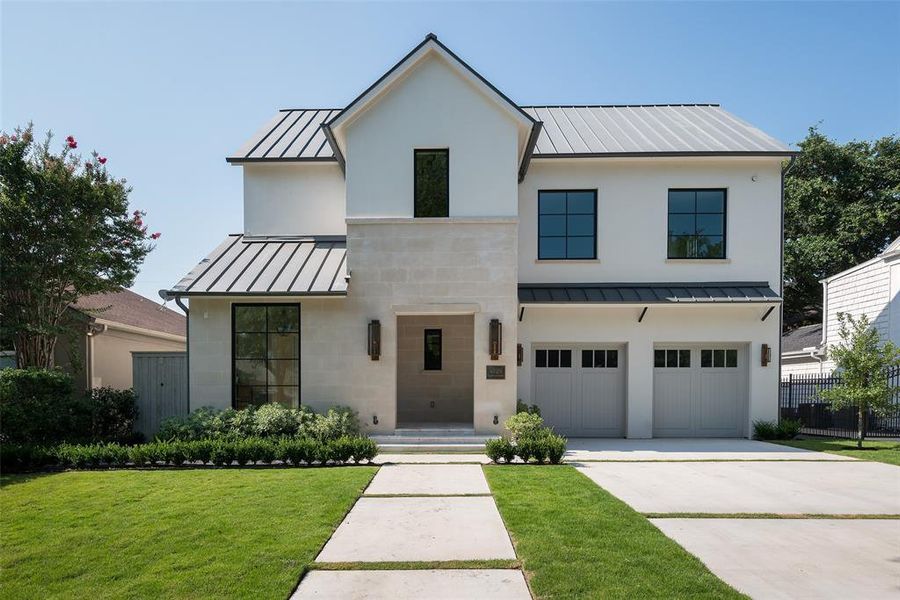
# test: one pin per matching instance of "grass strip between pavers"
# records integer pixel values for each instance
(576, 540)
(412, 565)
(699, 460)
(687, 515)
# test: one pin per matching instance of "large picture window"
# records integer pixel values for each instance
(431, 187)
(567, 224)
(266, 355)
(696, 224)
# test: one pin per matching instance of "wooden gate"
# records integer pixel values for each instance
(160, 383)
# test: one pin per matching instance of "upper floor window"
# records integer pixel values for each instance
(696, 224)
(567, 224)
(431, 188)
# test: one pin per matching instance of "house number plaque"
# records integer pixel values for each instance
(496, 371)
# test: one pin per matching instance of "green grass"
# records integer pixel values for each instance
(575, 540)
(168, 534)
(879, 451)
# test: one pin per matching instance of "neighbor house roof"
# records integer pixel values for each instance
(646, 293)
(808, 336)
(132, 309)
(567, 132)
(259, 266)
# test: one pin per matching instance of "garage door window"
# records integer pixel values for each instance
(718, 357)
(553, 359)
(599, 359)
(672, 359)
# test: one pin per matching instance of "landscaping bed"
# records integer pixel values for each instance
(168, 534)
(576, 540)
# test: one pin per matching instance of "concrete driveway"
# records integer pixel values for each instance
(762, 556)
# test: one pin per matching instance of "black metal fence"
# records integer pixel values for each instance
(800, 400)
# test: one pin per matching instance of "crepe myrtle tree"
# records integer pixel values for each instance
(863, 361)
(66, 231)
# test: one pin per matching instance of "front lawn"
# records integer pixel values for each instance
(168, 534)
(886, 452)
(575, 540)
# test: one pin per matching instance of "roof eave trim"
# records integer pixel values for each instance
(237, 160)
(529, 149)
(187, 294)
(338, 155)
(773, 153)
(652, 302)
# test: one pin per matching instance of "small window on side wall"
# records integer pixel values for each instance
(696, 224)
(431, 187)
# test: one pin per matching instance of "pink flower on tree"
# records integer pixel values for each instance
(101, 160)
(155, 236)
(71, 143)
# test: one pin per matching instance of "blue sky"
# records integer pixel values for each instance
(166, 90)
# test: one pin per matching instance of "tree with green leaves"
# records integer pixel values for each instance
(842, 207)
(65, 232)
(863, 361)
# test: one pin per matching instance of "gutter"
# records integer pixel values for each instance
(168, 295)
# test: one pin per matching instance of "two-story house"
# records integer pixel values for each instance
(433, 252)
(871, 288)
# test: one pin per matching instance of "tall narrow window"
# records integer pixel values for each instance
(266, 355)
(696, 224)
(433, 350)
(431, 188)
(567, 224)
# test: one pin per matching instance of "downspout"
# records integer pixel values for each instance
(93, 330)
(784, 171)
(187, 349)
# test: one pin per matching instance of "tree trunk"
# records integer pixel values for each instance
(861, 425)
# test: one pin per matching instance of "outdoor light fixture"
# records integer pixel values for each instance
(374, 419)
(374, 340)
(520, 355)
(496, 420)
(766, 355)
(496, 343)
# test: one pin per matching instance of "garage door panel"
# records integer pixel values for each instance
(602, 402)
(672, 393)
(553, 394)
(719, 403)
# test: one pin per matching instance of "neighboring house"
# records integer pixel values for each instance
(402, 254)
(871, 288)
(109, 327)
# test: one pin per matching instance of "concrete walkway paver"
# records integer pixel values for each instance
(420, 529)
(414, 458)
(460, 584)
(425, 480)
(796, 558)
(752, 487)
(687, 449)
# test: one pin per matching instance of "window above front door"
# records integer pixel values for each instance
(431, 186)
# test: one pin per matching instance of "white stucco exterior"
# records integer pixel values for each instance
(473, 261)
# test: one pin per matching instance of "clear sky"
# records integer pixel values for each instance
(167, 89)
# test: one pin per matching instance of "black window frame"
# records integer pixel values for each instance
(267, 305)
(566, 214)
(430, 365)
(562, 355)
(724, 214)
(416, 153)
(673, 358)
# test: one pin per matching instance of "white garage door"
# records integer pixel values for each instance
(580, 389)
(699, 390)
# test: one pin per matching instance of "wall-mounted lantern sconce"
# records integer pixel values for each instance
(496, 344)
(496, 420)
(374, 343)
(765, 355)
(374, 419)
(520, 355)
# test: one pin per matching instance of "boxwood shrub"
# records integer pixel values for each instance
(530, 441)
(287, 451)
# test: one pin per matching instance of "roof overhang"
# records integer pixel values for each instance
(334, 128)
(645, 294)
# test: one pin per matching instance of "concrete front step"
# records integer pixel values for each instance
(430, 448)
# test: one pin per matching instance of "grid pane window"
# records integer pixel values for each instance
(696, 224)
(553, 359)
(718, 358)
(671, 359)
(567, 224)
(266, 355)
(599, 359)
(431, 186)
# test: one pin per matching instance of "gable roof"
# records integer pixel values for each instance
(808, 336)
(132, 309)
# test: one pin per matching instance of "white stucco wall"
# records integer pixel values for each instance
(661, 325)
(632, 219)
(433, 107)
(294, 199)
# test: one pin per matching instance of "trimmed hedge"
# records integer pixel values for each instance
(543, 447)
(218, 452)
(785, 429)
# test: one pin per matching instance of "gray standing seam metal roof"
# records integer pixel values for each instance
(647, 293)
(568, 131)
(270, 266)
